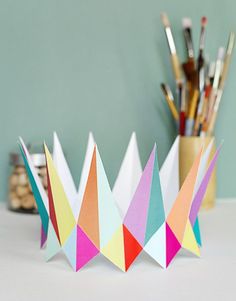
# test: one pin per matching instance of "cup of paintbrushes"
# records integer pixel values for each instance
(188, 150)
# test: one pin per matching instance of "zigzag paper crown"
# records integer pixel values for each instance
(144, 211)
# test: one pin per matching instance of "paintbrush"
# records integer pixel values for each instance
(228, 55)
(200, 130)
(173, 54)
(189, 66)
(199, 115)
(224, 73)
(182, 96)
(211, 72)
(170, 101)
(200, 60)
(191, 114)
(216, 81)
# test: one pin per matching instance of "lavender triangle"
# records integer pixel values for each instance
(202, 189)
(136, 217)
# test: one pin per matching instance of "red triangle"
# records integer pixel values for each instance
(172, 245)
(131, 246)
(52, 212)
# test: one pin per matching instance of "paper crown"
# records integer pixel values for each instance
(144, 211)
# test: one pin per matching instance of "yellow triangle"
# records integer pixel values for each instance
(64, 214)
(114, 250)
(189, 241)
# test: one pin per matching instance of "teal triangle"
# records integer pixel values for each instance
(69, 248)
(197, 233)
(53, 245)
(156, 214)
(41, 208)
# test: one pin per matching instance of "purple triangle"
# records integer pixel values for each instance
(172, 245)
(197, 201)
(43, 237)
(136, 216)
(85, 249)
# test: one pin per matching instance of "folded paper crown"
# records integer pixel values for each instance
(144, 211)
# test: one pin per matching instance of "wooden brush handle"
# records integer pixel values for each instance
(182, 123)
(212, 123)
(196, 125)
(193, 104)
(224, 71)
(176, 67)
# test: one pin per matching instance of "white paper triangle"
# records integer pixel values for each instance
(156, 246)
(203, 166)
(128, 177)
(63, 171)
(169, 177)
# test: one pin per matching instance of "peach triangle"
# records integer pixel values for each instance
(179, 214)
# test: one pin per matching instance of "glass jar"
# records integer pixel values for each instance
(20, 197)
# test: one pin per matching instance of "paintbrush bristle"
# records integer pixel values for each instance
(231, 43)
(167, 91)
(204, 21)
(187, 23)
(221, 53)
(165, 20)
(163, 88)
(211, 71)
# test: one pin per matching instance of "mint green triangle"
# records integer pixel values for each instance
(156, 214)
(197, 233)
(53, 246)
(109, 217)
(69, 248)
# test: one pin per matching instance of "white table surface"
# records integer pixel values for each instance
(24, 274)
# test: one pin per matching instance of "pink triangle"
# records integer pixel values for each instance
(85, 249)
(172, 245)
(43, 237)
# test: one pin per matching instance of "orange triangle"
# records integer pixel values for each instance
(179, 213)
(131, 246)
(88, 217)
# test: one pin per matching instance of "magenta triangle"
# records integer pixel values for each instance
(172, 245)
(85, 249)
